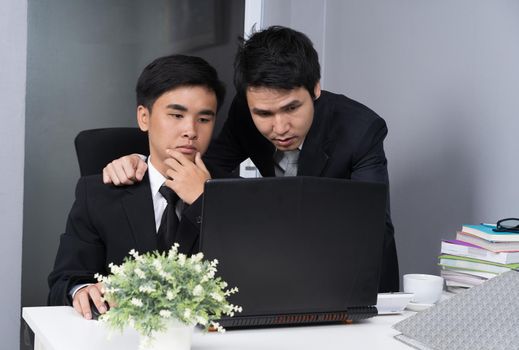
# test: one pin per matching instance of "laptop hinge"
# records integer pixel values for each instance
(348, 316)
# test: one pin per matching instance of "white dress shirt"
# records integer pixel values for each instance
(159, 202)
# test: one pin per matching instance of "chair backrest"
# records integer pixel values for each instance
(95, 148)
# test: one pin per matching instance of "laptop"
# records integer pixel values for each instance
(301, 250)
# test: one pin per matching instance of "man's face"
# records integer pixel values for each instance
(282, 116)
(181, 119)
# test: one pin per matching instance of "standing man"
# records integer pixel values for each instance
(287, 125)
(177, 99)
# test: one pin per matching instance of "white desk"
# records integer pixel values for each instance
(61, 328)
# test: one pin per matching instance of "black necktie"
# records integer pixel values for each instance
(169, 222)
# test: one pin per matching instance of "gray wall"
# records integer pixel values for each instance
(84, 58)
(307, 16)
(444, 76)
(13, 40)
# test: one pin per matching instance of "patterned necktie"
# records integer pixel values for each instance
(291, 162)
(169, 222)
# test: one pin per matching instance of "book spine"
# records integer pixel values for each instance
(469, 265)
(493, 237)
(476, 253)
(495, 247)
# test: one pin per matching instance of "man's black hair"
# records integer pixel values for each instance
(170, 72)
(276, 57)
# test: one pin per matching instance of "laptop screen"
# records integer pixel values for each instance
(295, 244)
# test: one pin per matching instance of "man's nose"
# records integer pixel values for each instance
(189, 129)
(281, 125)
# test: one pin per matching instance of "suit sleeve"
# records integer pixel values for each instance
(226, 151)
(370, 164)
(81, 251)
(188, 232)
(369, 160)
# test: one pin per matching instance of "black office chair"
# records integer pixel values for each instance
(95, 148)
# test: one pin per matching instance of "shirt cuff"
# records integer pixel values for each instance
(76, 288)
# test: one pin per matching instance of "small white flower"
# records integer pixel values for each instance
(181, 259)
(216, 296)
(165, 275)
(231, 291)
(157, 264)
(201, 320)
(137, 302)
(197, 257)
(197, 291)
(112, 290)
(170, 295)
(165, 313)
(172, 253)
(116, 269)
(219, 328)
(198, 268)
(187, 313)
(139, 273)
(146, 289)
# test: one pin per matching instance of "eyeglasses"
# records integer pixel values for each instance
(507, 225)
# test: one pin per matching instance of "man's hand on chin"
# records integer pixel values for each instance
(186, 177)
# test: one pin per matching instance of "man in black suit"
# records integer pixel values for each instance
(287, 125)
(177, 99)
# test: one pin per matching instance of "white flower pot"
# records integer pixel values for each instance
(177, 336)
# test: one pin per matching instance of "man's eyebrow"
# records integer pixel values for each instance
(177, 107)
(293, 103)
(182, 108)
(208, 112)
(261, 111)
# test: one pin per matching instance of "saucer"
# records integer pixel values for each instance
(417, 306)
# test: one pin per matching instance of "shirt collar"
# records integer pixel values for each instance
(156, 178)
(278, 153)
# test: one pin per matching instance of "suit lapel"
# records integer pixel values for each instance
(312, 161)
(265, 160)
(314, 155)
(138, 206)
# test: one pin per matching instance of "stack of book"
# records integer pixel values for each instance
(477, 254)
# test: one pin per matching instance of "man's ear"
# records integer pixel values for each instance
(317, 90)
(143, 117)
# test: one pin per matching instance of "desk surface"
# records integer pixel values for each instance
(60, 328)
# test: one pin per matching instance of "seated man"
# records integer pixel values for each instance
(287, 125)
(177, 100)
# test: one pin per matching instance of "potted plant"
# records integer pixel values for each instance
(163, 296)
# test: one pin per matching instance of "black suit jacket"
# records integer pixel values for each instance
(104, 224)
(344, 141)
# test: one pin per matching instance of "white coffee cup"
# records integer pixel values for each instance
(427, 289)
